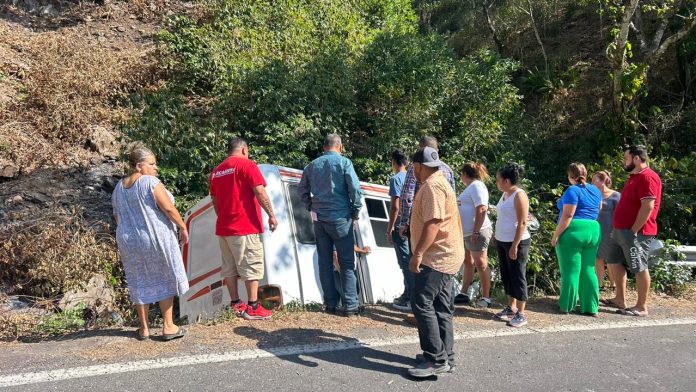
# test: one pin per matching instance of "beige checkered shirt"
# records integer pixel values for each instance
(435, 199)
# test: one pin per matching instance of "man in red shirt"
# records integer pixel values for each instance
(237, 187)
(635, 229)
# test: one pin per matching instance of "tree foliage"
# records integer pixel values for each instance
(283, 74)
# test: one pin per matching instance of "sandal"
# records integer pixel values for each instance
(632, 312)
(178, 334)
(140, 336)
(609, 303)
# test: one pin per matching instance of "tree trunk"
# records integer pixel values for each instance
(617, 55)
(486, 11)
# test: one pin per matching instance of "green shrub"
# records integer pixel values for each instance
(283, 74)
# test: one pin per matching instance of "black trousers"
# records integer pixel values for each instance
(513, 273)
(432, 304)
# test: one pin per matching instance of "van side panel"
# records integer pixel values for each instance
(279, 249)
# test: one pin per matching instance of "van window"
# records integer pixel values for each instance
(378, 220)
(303, 220)
(375, 208)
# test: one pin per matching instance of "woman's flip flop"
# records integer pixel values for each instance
(609, 303)
(632, 312)
(179, 334)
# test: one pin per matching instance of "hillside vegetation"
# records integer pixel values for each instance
(539, 82)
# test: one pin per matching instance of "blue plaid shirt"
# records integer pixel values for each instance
(330, 188)
(408, 192)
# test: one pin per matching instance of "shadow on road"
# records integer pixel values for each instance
(362, 357)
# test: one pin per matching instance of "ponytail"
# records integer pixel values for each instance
(475, 170)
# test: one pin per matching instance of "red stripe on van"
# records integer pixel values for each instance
(201, 278)
(290, 174)
(205, 290)
(374, 189)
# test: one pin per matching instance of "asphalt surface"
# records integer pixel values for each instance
(627, 359)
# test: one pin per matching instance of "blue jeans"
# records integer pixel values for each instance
(339, 235)
(403, 253)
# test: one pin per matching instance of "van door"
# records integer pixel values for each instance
(305, 246)
(380, 274)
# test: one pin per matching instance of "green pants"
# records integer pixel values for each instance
(577, 251)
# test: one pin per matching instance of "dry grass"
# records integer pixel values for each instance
(54, 253)
(59, 84)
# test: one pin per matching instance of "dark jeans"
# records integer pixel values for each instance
(433, 307)
(403, 253)
(513, 273)
(338, 234)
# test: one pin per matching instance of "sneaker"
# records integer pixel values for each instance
(505, 314)
(421, 358)
(402, 304)
(238, 307)
(352, 312)
(461, 298)
(260, 313)
(483, 302)
(519, 320)
(427, 369)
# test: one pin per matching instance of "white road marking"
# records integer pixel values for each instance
(190, 360)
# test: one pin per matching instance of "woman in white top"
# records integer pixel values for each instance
(512, 242)
(477, 228)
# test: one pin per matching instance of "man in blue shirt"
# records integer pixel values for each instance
(330, 190)
(399, 162)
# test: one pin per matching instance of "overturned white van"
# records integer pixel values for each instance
(291, 271)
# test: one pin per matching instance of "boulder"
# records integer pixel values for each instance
(8, 169)
(96, 295)
(102, 141)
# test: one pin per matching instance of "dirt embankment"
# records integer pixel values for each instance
(68, 70)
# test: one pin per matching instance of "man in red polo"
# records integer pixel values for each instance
(236, 189)
(635, 229)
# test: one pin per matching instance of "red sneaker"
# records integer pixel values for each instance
(260, 313)
(239, 308)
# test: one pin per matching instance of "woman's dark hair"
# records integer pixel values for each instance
(577, 172)
(475, 170)
(511, 172)
(399, 157)
(605, 177)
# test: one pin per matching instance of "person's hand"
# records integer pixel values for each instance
(272, 223)
(512, 254)
(183, 236)
(554, 241)
(367, 250)
(389, 236)
(415, 263)
(475, 237)
(355, 216)
(402, 231)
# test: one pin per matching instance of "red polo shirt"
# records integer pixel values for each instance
(643, 185)
(232, 183)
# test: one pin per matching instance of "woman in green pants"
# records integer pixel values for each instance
(576, 240)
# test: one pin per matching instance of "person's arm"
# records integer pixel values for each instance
(479, 218)
(167, 207)
(214, 201)
(430, 231)
(647, 205)
(522, 210)
(406, 200)
(265, 202)
(305, 189)
(354, 192)
(563, 223)
(393, 213)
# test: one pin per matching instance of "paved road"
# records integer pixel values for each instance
(631, 359)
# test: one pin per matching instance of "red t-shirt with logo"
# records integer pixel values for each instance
(232, 183)
(643, 185)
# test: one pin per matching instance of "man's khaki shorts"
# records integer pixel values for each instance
(242, 256)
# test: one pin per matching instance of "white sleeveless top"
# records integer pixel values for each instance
(506, 224)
